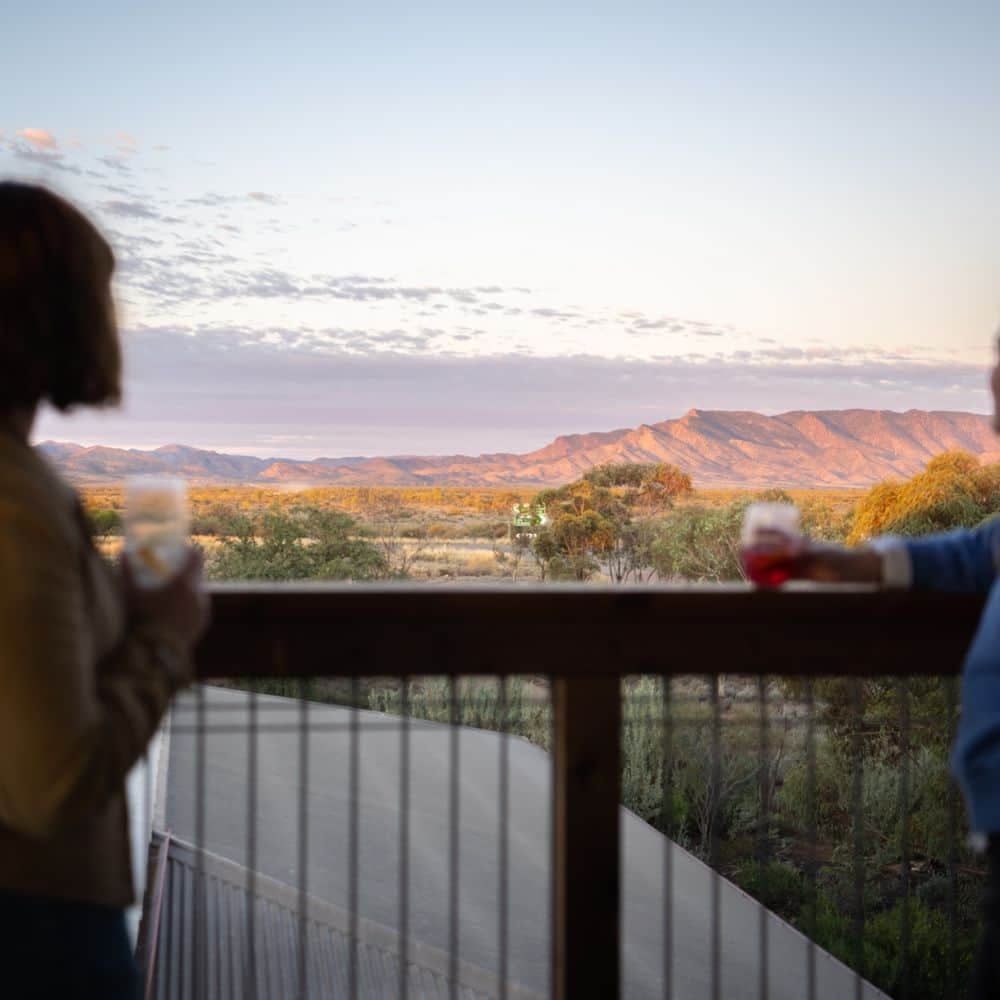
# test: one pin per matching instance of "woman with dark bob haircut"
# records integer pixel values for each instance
(88, 661)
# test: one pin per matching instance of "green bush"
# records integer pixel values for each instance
(927, 957)
(306, 544)
(105, 522)
(778, 886)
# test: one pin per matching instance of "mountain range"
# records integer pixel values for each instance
(718, 448)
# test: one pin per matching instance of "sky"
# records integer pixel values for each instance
(386, 228)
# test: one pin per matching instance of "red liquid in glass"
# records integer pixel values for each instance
(767, 566)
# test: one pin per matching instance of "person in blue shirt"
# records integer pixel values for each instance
(961, 561)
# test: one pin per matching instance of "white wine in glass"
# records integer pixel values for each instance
(156, 528)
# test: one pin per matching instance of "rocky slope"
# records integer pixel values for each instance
(717, 447)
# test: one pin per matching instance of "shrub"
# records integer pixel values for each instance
(953, 491)
(778, 886)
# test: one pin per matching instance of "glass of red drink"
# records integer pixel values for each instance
(771, 543)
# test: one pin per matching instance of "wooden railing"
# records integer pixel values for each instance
(585, 639)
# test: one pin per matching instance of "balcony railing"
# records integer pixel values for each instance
(585, 641)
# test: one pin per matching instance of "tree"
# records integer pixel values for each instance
(699, 544)
(388, 516)
(307, 544)
(582, 539)
(630, 556)
(648, 485)
(584, 522)
(512, 555)
(953, 491)
(544, 551)
(105, 522)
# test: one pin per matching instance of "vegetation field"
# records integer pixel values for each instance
(815, 820)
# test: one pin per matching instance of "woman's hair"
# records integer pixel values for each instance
(58, 335)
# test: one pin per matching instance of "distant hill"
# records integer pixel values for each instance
(717, 447)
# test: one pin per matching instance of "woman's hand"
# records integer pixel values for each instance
(180, 605)
(825, 563)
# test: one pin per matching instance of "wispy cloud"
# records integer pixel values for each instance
(265, 198)
(40, 157)
(40, 138)
(130, 210)
(117, 163)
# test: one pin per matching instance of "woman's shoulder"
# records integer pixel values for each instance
(31, 488)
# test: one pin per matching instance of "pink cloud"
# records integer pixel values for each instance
(40, 138)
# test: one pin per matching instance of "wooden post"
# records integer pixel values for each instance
(586, 903)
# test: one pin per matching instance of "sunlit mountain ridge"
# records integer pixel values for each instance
(719, 448)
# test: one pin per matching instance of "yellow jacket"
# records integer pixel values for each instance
(82, 690)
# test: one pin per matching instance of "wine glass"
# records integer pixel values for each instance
(156, 528)
(771, 543)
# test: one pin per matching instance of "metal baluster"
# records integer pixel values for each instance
(859, 842)
(812, 833)
(763, 846)
(354, 836)
(504, 805)
(667, 813)
(903, 688)
(404, 837)
(713, 845)
(453, 827)
(303, 949)
(199, 956)
(251, 896)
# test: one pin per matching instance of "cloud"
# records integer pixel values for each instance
(264, 198)
(116, 163)
(40, 138)
(362, 392)
(212, 199)
(46, 160)
(130, 210)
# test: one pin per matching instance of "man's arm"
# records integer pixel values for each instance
(960, 561)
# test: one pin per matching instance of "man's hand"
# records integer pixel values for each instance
(825, 563)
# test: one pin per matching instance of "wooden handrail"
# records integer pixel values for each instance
(578, 631)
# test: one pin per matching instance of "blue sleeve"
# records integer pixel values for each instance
(960, 561)
(976, 755)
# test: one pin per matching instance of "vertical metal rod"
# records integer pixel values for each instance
(404, 837)
(667, 816)
(158, 930)
(199, 953)
(504, 806)
(951, 697)
(857, 808)
(303, 950)
(453, 846)
(354, 836)
(218, 948)
(182, 929)
(903, 686)
(251, 848)
(170, 940)
(763, 840)
(586, 794)
(713, 841)
(812, 835)
(147, 831)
